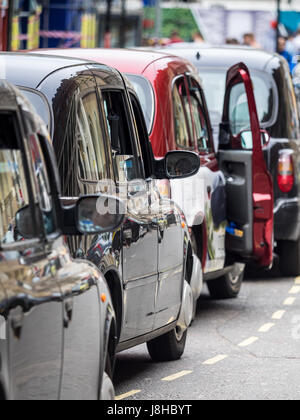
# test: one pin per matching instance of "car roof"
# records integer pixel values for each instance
(127, 60)
(36, 67)
(226, 56)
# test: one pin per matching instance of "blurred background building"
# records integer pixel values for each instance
(29, 24)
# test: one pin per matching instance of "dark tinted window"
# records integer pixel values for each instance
(39, 103)
(199, 117)
(143, 138)
(145, 94)
(41, 184)
(125, 153)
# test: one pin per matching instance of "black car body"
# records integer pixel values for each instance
(278, 113)
(149, 265)
(57, 337)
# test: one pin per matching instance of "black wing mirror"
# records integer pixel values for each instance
(24, 222)
(181, 164)
(99, 214)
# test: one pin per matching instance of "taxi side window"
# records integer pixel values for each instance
(14, 183)
(125, 155)
(14, 194)
(90, 141)
(41, 183)
(199, 118)
(182, 116)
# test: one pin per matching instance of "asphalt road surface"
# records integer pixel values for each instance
(246, 348)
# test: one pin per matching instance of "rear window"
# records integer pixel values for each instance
(39, 103)
(214, 81)
(145, 94)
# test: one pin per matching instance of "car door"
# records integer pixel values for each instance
(140, 234)
(34, 309)
(249, 185)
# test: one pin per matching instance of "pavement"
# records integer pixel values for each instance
(241, 349)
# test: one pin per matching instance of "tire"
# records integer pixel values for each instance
(108, 390)
(228, 286)
(168, 347)
(289, 258)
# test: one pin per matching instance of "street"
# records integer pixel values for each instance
(247, 348)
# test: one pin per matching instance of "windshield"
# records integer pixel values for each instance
(145, 94)
(214, 82)
(39, 103)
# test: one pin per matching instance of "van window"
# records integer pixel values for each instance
(239, 115)
(214, 83)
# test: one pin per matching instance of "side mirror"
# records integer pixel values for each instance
(24, 225)
(99, 214)
(247, 139)
(181, 164)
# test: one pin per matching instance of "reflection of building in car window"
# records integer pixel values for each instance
(13, 193)
(92, 162)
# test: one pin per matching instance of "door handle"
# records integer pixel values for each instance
(17, 322)
(68, 312)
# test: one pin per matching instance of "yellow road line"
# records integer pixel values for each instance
(294, 290)
(266, 327)
(216, 359)
(297, 280)
(289, 301)
(177, 375)
(127, 395)
(248, 342)
(278, 314)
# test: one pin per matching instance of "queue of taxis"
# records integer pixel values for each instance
(146, 210)
(224, 234)
(114, 222)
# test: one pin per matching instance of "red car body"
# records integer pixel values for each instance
(4, 25)
(164, 71)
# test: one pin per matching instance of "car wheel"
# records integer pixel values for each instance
(168, 347)
(289, 258)
(108, 390)
(228, 286)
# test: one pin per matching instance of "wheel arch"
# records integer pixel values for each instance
(116, 291)
(2, 393)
